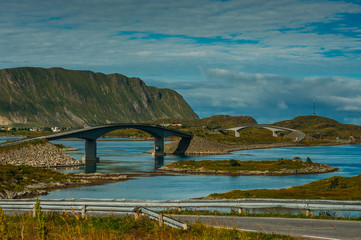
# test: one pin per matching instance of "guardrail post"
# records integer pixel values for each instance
(185, 226)
(34, 210)
(160, 219)
(83, 211)
(137, 212)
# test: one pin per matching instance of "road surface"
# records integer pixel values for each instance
(306, 228)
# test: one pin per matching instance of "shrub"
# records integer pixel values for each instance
(334, 183)
(234, 163)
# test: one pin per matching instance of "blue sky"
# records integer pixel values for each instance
(266, 59)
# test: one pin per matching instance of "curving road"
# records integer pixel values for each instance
(305, 228)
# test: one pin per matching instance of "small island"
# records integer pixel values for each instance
(262, 168)
(333, 188)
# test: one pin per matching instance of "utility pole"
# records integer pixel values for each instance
(314, 107)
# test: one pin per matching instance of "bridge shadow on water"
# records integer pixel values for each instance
(158, 162)
(91, 166)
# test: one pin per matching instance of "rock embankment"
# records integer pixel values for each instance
(38, 155)
(201, 146)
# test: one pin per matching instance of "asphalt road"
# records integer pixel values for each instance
(306, 228)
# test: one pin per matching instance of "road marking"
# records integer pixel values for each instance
(325, 238)
(240, 229)
(248, 230)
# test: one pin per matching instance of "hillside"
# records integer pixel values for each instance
(321, 127)
(56, 96)
(213, 122)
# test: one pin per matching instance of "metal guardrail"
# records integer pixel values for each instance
(105, 206)
(160, 217)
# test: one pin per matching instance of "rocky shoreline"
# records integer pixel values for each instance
(233, 167)
(283, 172)
(47, 155)
(79, 180)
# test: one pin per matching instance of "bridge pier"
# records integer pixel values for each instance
(90, 160)
(158, 147)
(90, 151)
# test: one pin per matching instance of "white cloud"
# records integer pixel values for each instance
(282, 105)
(234, 43)
(272, 96)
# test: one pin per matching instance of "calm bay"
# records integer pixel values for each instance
(128, 156)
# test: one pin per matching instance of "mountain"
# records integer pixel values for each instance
(60, 97)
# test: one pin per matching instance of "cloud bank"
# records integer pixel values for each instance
(271, 57)
(270, 97)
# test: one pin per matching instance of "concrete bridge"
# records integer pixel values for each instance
(91, 134)
(298, 136)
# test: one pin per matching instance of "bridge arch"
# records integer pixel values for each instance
(91, 134)
(273, 128)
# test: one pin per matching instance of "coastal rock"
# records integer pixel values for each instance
(306, 169)
(44, 155)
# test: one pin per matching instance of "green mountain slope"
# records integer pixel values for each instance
(321, 127)
(56, 96)
(213, 122)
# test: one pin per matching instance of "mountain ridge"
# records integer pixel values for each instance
(57, 96)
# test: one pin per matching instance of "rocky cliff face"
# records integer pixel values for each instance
(56, 96)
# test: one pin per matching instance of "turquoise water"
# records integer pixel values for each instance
(128, 156)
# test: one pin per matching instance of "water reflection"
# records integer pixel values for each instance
(158, 162)
(91, 166)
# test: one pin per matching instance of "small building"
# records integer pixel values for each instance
(55, 129)
(353, 139)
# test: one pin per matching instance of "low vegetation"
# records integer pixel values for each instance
(207, 128)
(26, 133)
(319, 130)
(322, 128)
(22, 145)
(72, 226)
(128, 132)
(334, 188)
(279, 167)
(17, 178)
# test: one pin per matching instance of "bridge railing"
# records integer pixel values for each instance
(126, 206)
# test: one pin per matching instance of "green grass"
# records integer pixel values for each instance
(334, 188)
(23, 133)
(237, 165)
(16, 178)
(72, 226)
(128, 132)
(322, 127)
